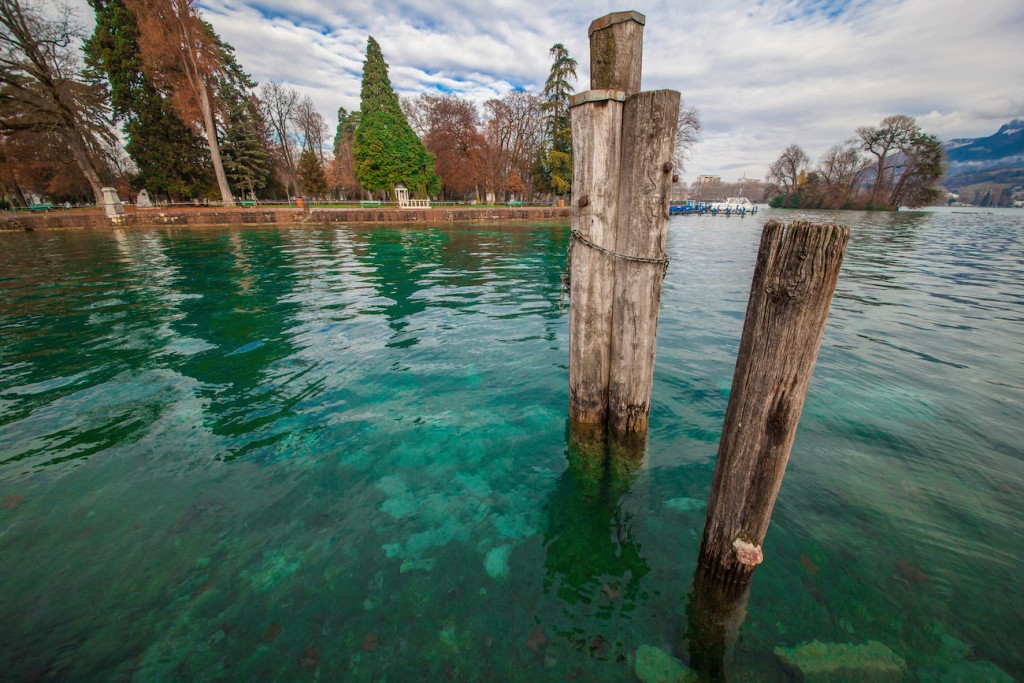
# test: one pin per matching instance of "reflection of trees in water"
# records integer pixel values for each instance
(460, 268)
(237, 288)
(73, 298)
(593, 562)
(400, 260)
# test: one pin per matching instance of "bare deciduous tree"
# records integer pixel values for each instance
(278, 102)
(414, 114)
(311, 127)
(785, 171)
(841, 169)
(42, 89)
(884, 143)
(514, 135)
(687, 135)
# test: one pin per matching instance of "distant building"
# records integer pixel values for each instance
(707, 188)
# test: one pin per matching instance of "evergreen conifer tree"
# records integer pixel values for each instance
(242, 146)
(554, 170)
(386, 149)
(169, 158)
(311, 174)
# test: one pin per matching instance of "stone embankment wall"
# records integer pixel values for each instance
(156, 217)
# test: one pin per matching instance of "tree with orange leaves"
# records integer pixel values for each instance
(181, 52)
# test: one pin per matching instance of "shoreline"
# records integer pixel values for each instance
(155, 218)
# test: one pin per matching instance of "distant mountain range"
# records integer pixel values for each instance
(997, 158)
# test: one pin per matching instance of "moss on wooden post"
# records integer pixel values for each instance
(616, 47)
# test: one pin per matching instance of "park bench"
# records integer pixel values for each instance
(247, 203)
(366, 203)
(515, 203)
(40, 207)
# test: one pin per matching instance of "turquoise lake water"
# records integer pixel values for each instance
(341, 454)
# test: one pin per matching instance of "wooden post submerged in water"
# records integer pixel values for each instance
(623, 143)
(794, 279)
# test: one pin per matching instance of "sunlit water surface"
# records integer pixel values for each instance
(341, 454)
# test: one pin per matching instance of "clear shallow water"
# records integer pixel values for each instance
(342, 454)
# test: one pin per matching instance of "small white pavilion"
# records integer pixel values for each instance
(402, 195)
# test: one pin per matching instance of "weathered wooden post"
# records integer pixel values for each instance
(616, 44)
(794, 279)
(622, 139)
(648, 142)
(596, 132)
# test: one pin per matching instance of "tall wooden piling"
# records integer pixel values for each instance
(596, 131)
(648, 142)
(621, 176)
(794, 279)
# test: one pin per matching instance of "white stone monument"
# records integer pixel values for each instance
(143, 201)
(112, 203)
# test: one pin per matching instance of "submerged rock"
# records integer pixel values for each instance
(273, 631)
(654, 665)
(496, 562)
(910, 572)
(685, 504)
(426, 564)
(817, 662)
(959, 664)
(12, 501)
(975, 672)
(537, 640)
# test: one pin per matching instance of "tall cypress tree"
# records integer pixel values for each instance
(170, 159)
(554, 171)
(386, 149)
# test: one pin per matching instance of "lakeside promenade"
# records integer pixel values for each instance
(207, 216)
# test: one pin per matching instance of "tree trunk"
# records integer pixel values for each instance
(81, 156)
(196, 81)
(211, 139)
(897, 190)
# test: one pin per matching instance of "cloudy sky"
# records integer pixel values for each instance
(763, 74)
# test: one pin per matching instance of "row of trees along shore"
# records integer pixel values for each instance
(155, 99)
(882, 167)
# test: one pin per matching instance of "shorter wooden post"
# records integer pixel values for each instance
(794, 279)
(596, 117)
(648, 142)
(616, 51)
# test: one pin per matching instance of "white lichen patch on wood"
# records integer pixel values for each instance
(747, 553)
